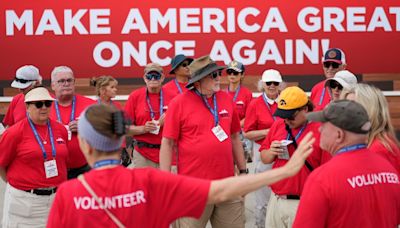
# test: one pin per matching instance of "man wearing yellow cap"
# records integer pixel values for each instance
(282, 140)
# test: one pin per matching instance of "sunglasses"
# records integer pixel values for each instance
(333, 64)
(230, 71)
(185, 64)
(270, 83)
(23, 81)
(215, 74)
(39, 104)
(63, 81)
(335, 84)
(151, 76)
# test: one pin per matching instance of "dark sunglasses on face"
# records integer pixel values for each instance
(333, 64)
(335, 84)
(185, 64)
(23, 81)
(215, 74)
(230, 72)
(39, 104)
(270, 83)
(63, 81)
(152, 76)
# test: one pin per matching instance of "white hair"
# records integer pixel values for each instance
(60, 69)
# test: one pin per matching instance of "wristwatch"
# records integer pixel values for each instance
(241, 171)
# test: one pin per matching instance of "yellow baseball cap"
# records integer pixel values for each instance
(290, 99)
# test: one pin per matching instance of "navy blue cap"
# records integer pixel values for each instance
(236, 66)
(177, 60)
(335, 55)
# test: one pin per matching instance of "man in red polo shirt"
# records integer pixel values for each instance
(357, 187)
(205, 126)
(180, 68)
(281, 141)
(26, 77)
(334, 61)
(66, 109)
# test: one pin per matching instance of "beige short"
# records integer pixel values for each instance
(281, 212)
(227, 214)
(24, 209)
(139, 161)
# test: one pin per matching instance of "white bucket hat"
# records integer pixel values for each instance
(38, 94)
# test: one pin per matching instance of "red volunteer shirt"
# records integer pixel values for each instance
(76, 157)
(354, 189)
(22, 157)
(392, 156)
(16, 110)
(294, 185)
(320, 96)
(138, 110)
(259, 116)
(172, 88)
(189, 123)
(242, 101)
(138, 198)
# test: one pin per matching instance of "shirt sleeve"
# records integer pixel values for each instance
(250, 123)
(314, 205)
(9, 117)
(265, 145)
(172, 122)
(235, 126)
(130, 108)
(8, 146)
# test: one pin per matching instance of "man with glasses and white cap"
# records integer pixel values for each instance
(66, 109)
(205, 127)
(146, 107)
(180, 68)
(26, 78)
(282, 140)
(33, 162)
(334, 61)
(357, 187)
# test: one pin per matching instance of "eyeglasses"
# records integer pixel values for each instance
(230, 71)
(63, 81)
(39, 104)
(153, 75)
(270, 83)
(23, 81)
(334, 65)
(215, 74)
(334, 84)
(184, 64)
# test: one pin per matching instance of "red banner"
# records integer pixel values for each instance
(119, 37)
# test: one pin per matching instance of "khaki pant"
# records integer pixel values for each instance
(281, 212)
(138, 161)
(229, 214)
(23, 209)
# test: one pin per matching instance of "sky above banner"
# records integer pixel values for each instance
(119, 38)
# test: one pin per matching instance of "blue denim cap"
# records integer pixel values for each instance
(177, 60)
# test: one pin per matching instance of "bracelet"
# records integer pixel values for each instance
(245, 171)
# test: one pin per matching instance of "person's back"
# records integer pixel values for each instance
(131, 196)
(356, 189)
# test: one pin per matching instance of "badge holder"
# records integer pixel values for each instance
(219, 133)
(50, 167)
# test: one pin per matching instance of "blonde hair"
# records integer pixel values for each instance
(101, 82)
(373, 100)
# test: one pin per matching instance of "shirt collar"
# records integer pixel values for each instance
(270, 101)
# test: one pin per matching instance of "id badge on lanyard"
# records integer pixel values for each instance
(50, 167)
(219, 133)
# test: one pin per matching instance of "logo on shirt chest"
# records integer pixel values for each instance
(239, 104)
(223, 113)
(60, 141)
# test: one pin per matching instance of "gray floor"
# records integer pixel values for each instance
(249, 204)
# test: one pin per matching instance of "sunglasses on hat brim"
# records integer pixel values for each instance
(39, 104)
(23, 81)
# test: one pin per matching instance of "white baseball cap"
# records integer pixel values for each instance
(345, 78)
(25, 76)
(271, 75)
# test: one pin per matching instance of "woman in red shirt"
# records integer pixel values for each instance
(106, 89)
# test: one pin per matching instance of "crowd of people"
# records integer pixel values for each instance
(328, 160)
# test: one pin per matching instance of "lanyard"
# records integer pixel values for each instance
(214, 111)
(268, 106)
(102, 163)
(72, 116)
(152, 114)
(298, 133)
(351, 148)
(178, 86)
(236, 93)
(321, 98)
(53, 148)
